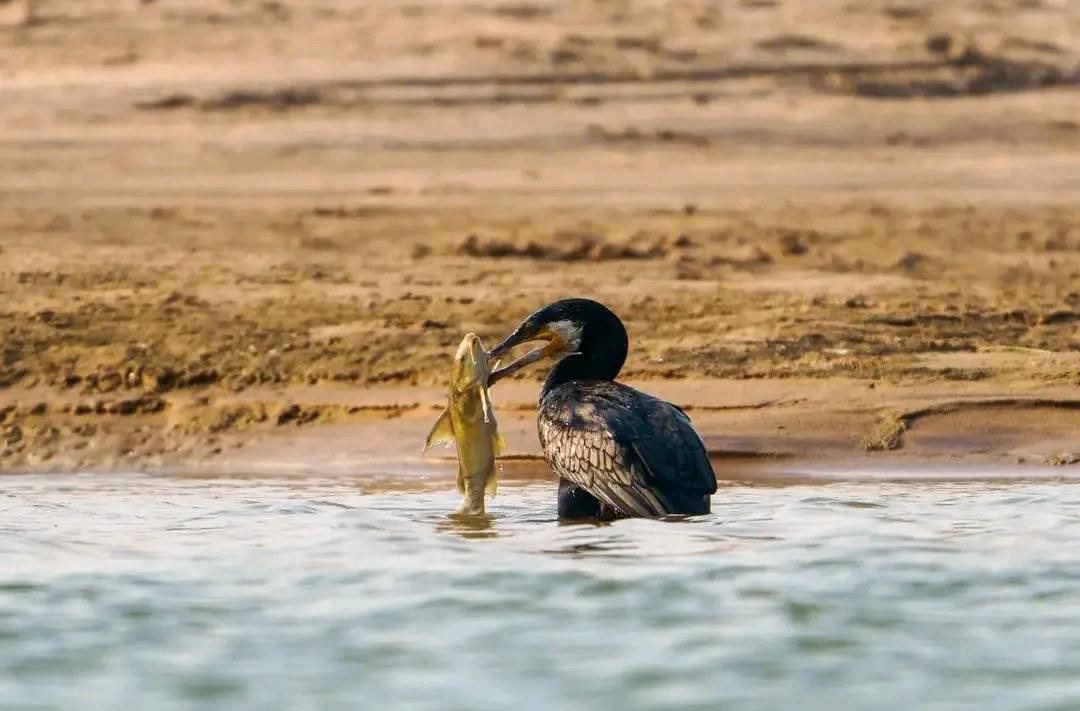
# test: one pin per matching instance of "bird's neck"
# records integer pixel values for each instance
(600, 361)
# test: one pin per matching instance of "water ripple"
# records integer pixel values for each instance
(157, 592)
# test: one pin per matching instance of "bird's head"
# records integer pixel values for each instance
(583, 336)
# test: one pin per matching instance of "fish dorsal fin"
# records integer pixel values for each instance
(442, 432)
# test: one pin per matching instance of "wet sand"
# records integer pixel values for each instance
(248, 237)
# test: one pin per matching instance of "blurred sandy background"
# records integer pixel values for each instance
(248, 234)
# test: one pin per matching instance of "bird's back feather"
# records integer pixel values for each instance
(635, 453)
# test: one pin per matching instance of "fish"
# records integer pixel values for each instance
(469, 422)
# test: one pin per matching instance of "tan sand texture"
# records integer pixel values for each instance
(248, 235)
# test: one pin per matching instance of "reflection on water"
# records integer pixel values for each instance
(468, 526)
(153, 592)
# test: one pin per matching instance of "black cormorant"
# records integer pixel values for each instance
(617, 452)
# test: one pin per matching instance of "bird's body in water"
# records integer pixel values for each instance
(618, 452)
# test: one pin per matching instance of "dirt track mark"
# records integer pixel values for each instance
(888, 433)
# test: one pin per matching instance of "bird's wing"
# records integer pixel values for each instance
(637, 454)
(676, 448)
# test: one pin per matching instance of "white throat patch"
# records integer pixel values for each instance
(569, 333)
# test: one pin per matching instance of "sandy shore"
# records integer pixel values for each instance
(249, 236)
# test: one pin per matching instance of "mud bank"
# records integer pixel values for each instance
(233, 234)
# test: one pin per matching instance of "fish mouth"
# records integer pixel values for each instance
(471, 367)
(468, 348)
(553, 345)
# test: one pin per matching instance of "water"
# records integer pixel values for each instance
(156, 592)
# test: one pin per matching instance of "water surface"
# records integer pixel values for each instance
(180, 592)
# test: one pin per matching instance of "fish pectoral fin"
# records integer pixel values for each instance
(442, 432)
(497, 446)
(485, 401)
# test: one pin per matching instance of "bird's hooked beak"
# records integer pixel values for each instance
(553, 346)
